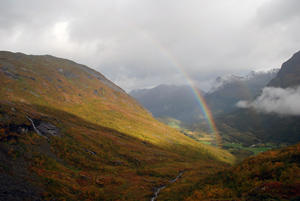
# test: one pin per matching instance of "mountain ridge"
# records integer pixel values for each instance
(221, 81)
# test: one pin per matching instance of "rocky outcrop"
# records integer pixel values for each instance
(47, 129)
(8, 70)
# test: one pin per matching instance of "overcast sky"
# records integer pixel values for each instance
(142, 43)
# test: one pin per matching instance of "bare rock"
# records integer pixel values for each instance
(47, 129)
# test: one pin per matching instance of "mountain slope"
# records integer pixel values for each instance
(289, 74)
(66, 132)
(178, 102)
(264, 125)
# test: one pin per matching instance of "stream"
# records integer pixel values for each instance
(156, 193)
(35, 129)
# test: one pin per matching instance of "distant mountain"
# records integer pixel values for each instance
(178, 102)
(254, 80)
(228, 90)
(68, 133)
(250, 123)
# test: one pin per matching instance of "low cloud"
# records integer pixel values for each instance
(276, 100)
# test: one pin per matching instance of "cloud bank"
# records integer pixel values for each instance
(138, 44)
(276, 100)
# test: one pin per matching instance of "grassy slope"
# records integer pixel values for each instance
(134, 152)
(174, 123)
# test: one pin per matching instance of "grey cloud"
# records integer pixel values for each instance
(276, 100)
(278, 12)
(144, 38)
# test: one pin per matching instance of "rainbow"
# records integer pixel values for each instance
(201, 102)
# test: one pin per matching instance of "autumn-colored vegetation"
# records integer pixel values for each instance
(110, 148)
(272, 175)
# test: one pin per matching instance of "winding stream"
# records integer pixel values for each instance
(156, 193)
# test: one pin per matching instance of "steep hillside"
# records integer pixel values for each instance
(178, 102)
(68, 133)
(228, 90)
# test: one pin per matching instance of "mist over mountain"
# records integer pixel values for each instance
(178, 102)
(282, 93)
(228, 90)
